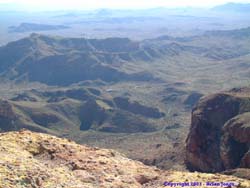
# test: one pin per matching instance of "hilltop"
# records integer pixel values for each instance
(38, 160)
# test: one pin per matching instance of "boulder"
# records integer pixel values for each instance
(207, 135)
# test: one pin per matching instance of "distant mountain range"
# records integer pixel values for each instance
(233, 7)
(238, 33)
(106, 12)
(30, 27)
(64, 61)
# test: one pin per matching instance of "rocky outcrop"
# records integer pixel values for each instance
(235, 142)
(218, 137)
(34, 160)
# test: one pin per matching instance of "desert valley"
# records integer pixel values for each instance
(125, 98)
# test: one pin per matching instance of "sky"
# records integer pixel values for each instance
(114, 4)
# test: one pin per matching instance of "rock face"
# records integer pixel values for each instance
(235, 142)
(219, 136)
(38, 160)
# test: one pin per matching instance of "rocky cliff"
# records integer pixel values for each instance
(219, 136)
(38, 160)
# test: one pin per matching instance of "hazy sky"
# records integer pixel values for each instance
(93, 4)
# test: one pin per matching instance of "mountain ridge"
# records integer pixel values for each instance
(36, 58)
(97, 56)
(233, 7)
(29, 27)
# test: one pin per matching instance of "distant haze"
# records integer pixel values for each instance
(34, 5)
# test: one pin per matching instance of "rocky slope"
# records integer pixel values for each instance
(219, 136)
(38, 160)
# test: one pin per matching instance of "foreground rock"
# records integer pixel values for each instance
(38, 160)
(219, 136)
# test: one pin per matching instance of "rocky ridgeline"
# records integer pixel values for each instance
(219, 137)
(37, 160)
